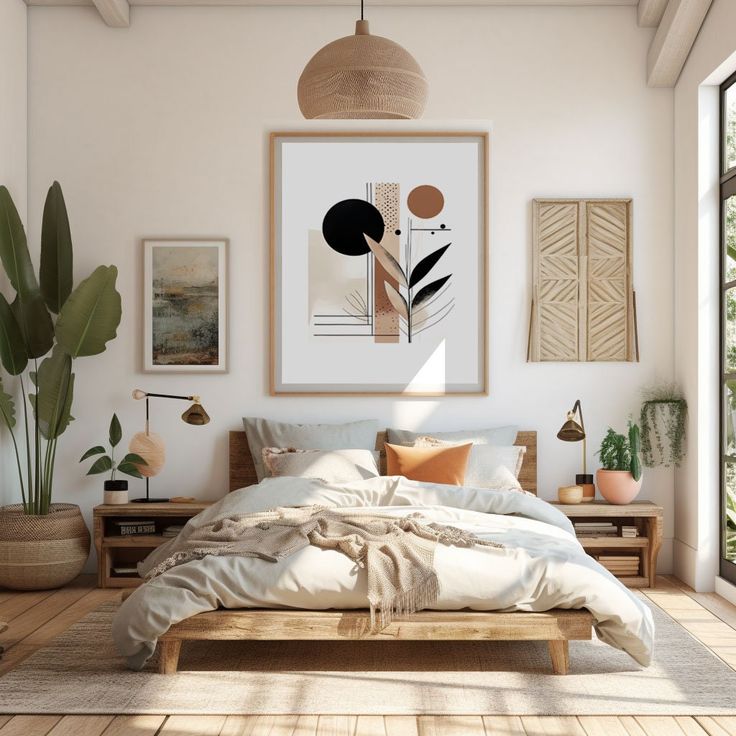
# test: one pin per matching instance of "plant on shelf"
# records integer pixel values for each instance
(619, 480)
(663, 416)
(128, 465)
(44, 328)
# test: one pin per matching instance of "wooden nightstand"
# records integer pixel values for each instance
(645, 515)
(116, 550)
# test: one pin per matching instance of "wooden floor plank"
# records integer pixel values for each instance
(4, 720)
(716, 725)
(55, 626)
(503, 726)
(36, 616)
(336, 725)
(602, 726)
(81, 726)
(134, 726)
(190, 725)
(29, 725)
(401, 726)
(450, 726)
(660, 726)
(20, 602)
(370, 726)
(260, 726)
(306, 726)
(689, 726)
(552, 726)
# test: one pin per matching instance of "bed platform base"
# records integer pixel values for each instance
(556, 627)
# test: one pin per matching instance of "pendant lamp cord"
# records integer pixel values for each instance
(361, 9)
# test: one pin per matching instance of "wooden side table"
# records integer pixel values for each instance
(645, 515)
(115, 550)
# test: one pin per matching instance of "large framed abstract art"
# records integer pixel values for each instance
(185, 306)
(379, 263)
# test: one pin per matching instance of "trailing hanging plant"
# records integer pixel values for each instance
(38, 351)
(663, 416)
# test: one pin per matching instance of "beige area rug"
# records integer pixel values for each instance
(80, 672)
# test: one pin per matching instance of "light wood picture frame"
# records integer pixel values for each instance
(185, 292)
(368, 296)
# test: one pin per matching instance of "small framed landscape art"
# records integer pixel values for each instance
(379, 263)
(185, 306)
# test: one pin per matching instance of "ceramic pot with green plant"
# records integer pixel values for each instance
(619, 480)
(45, 327)
(116, 489)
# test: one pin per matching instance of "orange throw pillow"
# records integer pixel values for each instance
(429, 464)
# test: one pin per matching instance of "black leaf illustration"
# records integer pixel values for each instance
(428, 291)
(426, 264)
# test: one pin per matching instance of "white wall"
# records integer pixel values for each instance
(160, 129)
(13, 161)
(696, 291)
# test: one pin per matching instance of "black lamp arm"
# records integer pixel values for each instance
(579, 409)
(171, 396)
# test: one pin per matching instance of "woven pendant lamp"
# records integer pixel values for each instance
(362, 76)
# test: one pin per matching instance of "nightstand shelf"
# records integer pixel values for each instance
(644, 515)
(117, 550)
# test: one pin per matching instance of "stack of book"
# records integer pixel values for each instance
(621, 565)
(172, 530)
(131, 527)
(595, 529)
(629, 531)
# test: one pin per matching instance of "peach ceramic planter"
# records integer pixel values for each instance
(617, 486)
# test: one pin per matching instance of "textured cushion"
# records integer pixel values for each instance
(495, 436)
(484, 460)
(331, 466)
(265, 433)
(429, 464)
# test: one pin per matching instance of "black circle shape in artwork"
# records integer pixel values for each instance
(345, 223)
(397, 232)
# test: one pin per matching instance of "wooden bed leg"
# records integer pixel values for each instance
(559, 651)
(168, 661)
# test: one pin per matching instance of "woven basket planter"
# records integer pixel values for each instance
(42, 552)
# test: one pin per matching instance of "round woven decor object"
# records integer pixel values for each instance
(39, 552)
(362, 77)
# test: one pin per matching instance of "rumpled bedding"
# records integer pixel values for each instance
(539, 566)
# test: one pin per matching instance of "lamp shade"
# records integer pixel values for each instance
(364, 77)
(196, 415)
(571, 431)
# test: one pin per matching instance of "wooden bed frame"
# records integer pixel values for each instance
(556, 627)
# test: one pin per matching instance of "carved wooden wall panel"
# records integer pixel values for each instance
(582, 306)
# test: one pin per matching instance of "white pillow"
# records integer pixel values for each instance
(489, 466)
(331, 466)
(265, 433)
(496, 436)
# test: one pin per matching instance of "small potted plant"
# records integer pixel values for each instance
(116, 491)
(619, 480)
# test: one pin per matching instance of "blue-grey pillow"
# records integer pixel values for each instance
(503, 436)
(266, 433)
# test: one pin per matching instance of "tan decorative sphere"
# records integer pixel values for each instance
(152, 449)
(362, 77)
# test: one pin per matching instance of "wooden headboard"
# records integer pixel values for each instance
(243, 472)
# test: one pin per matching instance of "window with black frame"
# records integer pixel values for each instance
(728, 329)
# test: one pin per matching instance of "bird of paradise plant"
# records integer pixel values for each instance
(50, 321)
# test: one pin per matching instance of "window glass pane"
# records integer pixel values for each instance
(729, 232)
(729, 145)
(729, 515)
(729, 331)
(729, 419)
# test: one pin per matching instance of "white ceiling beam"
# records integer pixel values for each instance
(116, 13)
(673, 40)
(649, 12)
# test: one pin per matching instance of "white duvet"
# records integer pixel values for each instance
(540, 566)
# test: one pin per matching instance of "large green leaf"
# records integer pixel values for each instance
(116, 431)
(7, 407)
(98, 450)
(29, 308)
(53, 402)
(56, 272)
(91, 315)
(12, 348)
(101, 465)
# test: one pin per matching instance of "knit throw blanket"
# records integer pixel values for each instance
(397, 553)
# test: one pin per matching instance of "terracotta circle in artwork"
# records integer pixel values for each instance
(425, 201)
